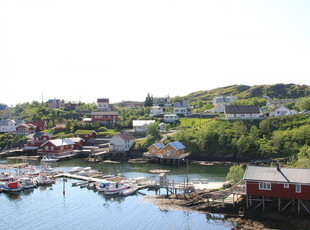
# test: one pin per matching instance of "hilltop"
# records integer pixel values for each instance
(246, 92)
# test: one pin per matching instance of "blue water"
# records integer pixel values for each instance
(47, 207)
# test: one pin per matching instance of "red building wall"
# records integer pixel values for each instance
(111, 118)
(278, 190)
(56, 149)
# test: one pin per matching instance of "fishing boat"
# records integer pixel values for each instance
(5, 176)
(32, 171)
(46, 159)
(115, 188)
(26, 183)
(11, 186)
(128, 191)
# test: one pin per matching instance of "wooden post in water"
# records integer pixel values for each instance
(64, 185)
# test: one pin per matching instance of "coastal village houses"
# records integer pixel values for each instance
(134, 105)
(4, 112)
(140, 126)
(277, 103)
(121, 143)
(222, 101)
(105, 117)
(37, 139)
(171, 118)
(57, 147)
(183, 108)
(40, 125)
(55, 103)
(279, 111)
(156, 110)
(104, 104)
(242, 112)
(7, 126)
(85, 134)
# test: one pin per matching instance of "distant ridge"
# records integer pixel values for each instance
(244, 92)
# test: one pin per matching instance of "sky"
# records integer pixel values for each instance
(123, 49)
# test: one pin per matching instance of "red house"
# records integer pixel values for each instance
(78, 142)
(105, 117)
(37, 140)
(85, 134)
(57, 147)
(276, 182)
(41, 125)
(25, 129)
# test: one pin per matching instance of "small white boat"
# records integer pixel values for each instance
(26, 183)
(115, 188)
(32, 171)
(48, 159)
(5, 176)
(128, 191)
(11, 186)
(48, 170)
(43, 179)
(75, 170)
(88, 172)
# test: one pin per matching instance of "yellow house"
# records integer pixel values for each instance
(156, 148)
(173, 149)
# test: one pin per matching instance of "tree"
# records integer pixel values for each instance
(148, 100)
(153, 130)
(68, 124)
(303, 103)
(235, 174)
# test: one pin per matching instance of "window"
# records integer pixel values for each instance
(286, 185)
(46, 147)
(52, 147)
(264, 186)
(298, 188)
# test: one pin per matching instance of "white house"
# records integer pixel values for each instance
(156, 110)
(279, 111)
(182, 108)
(278, 103)
(103, 104)
(7, 126)
(121, 142)
(141, 125)
(242, 112)
(162, 101)
(171, 117)
(222, 101)
(162, 127)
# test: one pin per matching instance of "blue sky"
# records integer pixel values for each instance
(71, 49)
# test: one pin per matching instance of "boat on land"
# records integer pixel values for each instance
(11, 186)
(46, 159)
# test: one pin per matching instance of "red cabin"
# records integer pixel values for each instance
(85, 134)
(287, 183)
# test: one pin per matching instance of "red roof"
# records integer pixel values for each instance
(103, 100)
(37, 123)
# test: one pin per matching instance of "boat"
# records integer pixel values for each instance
(5, 176)
(48, 170)
(128, 191)
(26, 183)
(114, 188)
(48, 159)
(32, 171)
(88, 172)
(44, 179)
(11, 186)
(75, 170)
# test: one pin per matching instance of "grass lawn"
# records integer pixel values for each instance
(190, 122)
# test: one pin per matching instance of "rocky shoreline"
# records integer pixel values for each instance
(238, 216)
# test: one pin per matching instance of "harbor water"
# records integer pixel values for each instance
(48, 208)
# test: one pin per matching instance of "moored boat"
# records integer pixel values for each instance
(88, 172)
(75, 170)
(11, 186)
(5, 176)
(128, 191)
(43, 179)
(46, 159)
(115, 188)
(26, 183)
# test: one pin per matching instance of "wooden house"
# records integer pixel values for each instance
(55, 104)
(85, 134)
(36, 140)
(173, 149)
(275, 182)
(105, 117)
(78, 142)
(121, 142)
(41, 125)
(156, 148)
(57, 147)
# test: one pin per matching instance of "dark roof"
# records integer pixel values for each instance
(103, 100)
(39, 134)
(242, 109)
(126, 136)
(3, 107)
(181, 104)
(53, 100)
(271, 174)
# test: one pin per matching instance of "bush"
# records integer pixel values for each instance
(235, 174)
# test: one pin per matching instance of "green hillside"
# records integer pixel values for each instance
(244, 92)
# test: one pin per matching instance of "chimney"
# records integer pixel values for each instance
(278, 166)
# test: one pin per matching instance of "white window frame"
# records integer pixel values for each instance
(52, 148)
(264, 186)
(298, 188)
(286, 185)
(46, 147)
